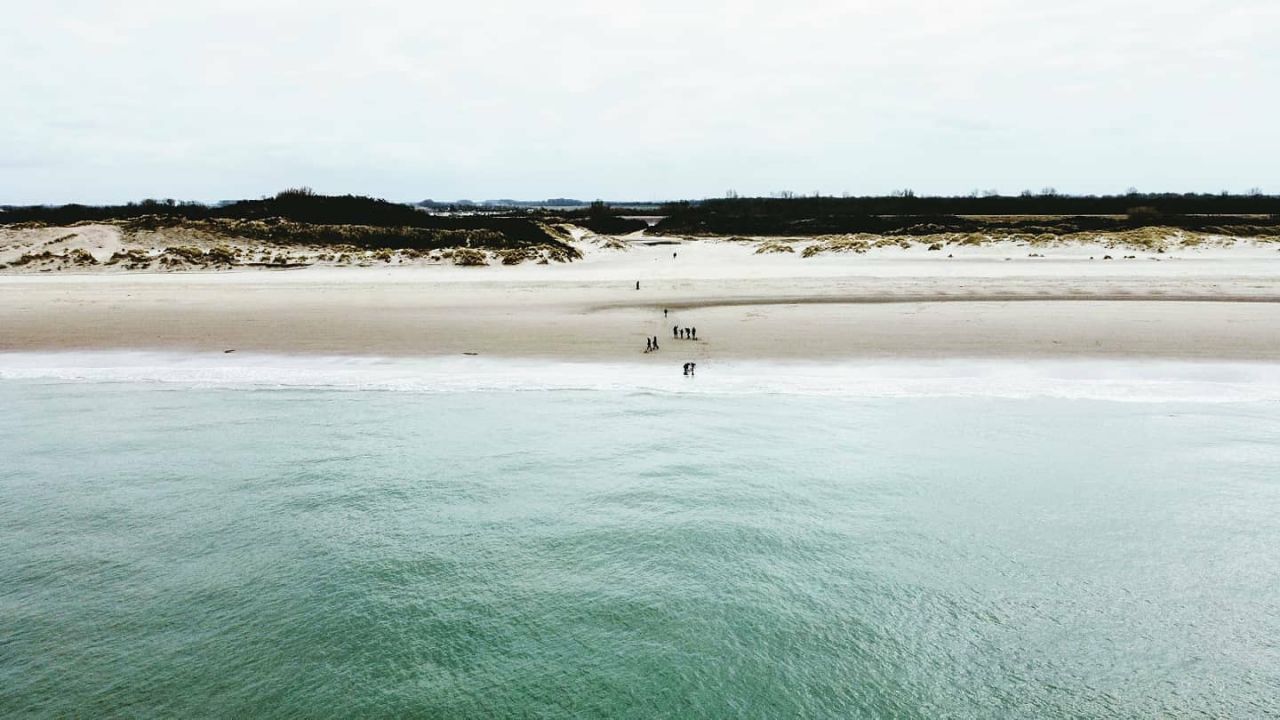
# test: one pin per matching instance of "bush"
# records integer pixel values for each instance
(28, 258)
(469, 257)
(80, 256)
(773, 246)
(222, 255)
(183, 252)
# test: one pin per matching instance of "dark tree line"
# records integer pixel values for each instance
(907, 213)
(606, 220)
(900, 213)
(303, 206)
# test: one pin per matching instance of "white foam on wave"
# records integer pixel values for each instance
(1140, 381)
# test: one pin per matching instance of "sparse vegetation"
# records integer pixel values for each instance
(28, 258)
(80, 256)
(222, 255)
(774, 246)
(469, 257)
(840, 243)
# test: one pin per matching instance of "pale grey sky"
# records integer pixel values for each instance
(112, 101)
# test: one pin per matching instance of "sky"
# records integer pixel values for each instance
(124, 100)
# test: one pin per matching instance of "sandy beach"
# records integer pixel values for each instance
(989, 301)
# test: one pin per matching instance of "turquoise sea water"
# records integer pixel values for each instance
(187, 549)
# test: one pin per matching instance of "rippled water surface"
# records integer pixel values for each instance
(174, 551)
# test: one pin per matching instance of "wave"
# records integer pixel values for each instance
(1141, 381)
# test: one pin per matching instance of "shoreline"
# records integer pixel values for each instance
(1117, 380)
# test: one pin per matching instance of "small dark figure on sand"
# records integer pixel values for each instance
(655, 342)
(675, 332)
(688, 368)
(648, 345)
(664, 312)
(637, 284)
(693, 333)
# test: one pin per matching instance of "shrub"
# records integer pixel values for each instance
(515, 256)
(222, 255)
(469, 257)
(773, 246)
(28, 258)
(80, 256)
(183, 252)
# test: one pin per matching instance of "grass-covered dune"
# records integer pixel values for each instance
(288, 211)
(291, 229)
(303, 217)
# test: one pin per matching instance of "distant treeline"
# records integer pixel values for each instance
(903, 213)
(910, 214)
(549, 203)
(303, 206)
(299, 207)
(502, 203)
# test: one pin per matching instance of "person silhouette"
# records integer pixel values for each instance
(637, 284)
(675, 332)
(655, 342)
(693, 333)
(648, 345)
(664, 312)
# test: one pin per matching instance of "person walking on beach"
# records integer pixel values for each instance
(693, 333)
(675, 332)
(648, 345)
(655, 342)
(664, 312)
(637, 284)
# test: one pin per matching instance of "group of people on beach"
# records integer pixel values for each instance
(677, 332)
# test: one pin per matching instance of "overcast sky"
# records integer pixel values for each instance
(113, 101)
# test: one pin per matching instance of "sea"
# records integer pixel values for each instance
(284, 537)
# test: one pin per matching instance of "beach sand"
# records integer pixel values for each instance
(1210, 303)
